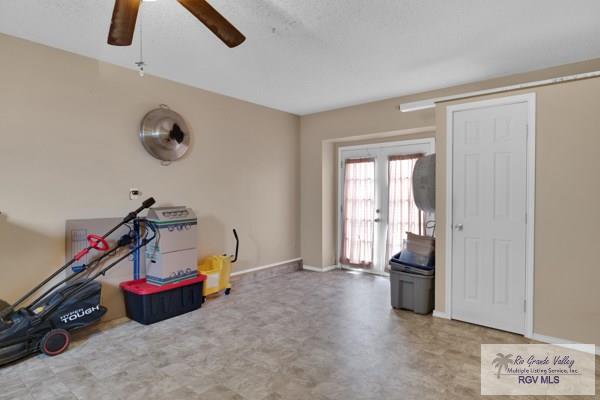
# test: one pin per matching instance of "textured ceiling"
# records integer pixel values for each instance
(313, 55)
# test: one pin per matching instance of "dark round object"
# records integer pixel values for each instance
(55, 342)
(227, 291)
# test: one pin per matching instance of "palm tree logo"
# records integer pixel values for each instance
(502, 361)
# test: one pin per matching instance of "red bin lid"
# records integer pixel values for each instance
(141, 287)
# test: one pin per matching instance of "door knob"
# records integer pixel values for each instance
(377, 219)
(458, 227)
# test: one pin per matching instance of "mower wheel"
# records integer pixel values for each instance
(55, 342)
(227, 291)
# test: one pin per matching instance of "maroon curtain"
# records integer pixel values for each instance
(358, 213)
(403, 214)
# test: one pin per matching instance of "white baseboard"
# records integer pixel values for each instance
(319, 269)
(569, 344)
(247, 271)
(440, 314)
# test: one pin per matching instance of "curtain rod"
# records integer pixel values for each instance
(430, 103)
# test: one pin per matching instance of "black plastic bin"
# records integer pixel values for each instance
(399, 266)
(147, 304)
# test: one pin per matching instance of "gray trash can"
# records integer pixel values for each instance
(412, 292)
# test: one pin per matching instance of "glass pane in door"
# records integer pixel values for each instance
(358, 213)
(403, 214)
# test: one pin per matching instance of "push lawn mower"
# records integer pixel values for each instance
(70, 304)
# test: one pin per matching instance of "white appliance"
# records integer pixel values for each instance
(173, 256)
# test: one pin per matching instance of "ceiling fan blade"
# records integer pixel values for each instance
(122, 25)
(214, 21)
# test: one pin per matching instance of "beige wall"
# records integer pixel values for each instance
(69, 149)
(317, 131)
(566, 295)
(64, 118)
(567, 117)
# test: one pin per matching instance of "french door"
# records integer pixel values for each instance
(375, 202)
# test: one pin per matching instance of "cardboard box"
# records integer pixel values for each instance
(164, 268)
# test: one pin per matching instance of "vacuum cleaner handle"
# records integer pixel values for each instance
(237, 245)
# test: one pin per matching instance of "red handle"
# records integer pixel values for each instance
(80, 254)
(97, 242)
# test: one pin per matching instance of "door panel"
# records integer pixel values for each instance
(501, 267)
(472, 267)
(489, 211)
(472, 187)
(359, 213)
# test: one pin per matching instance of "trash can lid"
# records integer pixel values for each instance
(141, 287)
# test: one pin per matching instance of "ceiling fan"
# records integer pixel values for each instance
(125, 14)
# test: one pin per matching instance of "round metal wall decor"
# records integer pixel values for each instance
(164, 134)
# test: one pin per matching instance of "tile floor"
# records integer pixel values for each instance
(302, 335)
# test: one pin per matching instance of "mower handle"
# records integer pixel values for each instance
(149, 202)
(97, 242)
(102, 272)
(131, 216)
(124, 241)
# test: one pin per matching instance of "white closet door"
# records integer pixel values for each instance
(489, 216)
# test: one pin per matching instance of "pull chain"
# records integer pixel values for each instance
(141, 64)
